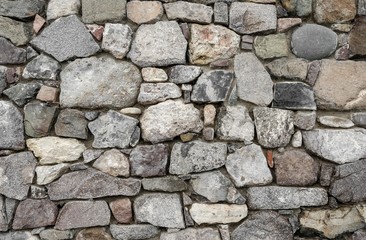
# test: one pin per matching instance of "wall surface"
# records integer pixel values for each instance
(172, 120)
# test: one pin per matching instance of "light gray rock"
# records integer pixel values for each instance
(221, 13)
(336, 122)
(18, 235)
(296, 140)
(109, 11)
(159, 44)
(361, 7)
(273, 197)
(293, 95)
(117, 39)
(31, 53)
(254, 84)
(66, 38)
(101, 78)
(47, 174)
(217, 213)
(114, 163)
(184, 74)
(271, 46)
(21, 8)
(60, 8)
(151, 74)
(22, 93)
(133, 232)
(305, 120)
(53, 234)
(38, 118)
(294, 68)
(113, 130)
(197, 156)
(159, 209)
(71, 123)
(151, 93)
(9, 54)
(42, 67)
(192, 234)
(11, 127)
(164, 184)
(339, 146)
(188, 12)
(17, 32)
(247, 166)
(91, 154)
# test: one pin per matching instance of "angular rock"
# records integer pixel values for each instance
(109, 11)
(133, 232)
(305, 120)
(312, 42)
(192, 234)
(93, 233)
(271, 46)
(38, 23)
(91, 154)
(42, 67)
(209, 43)
(285, 24)
(22, 93)
(294, 68)
(334, 11)
(197, 156)
(247, 18)
(60, 8)
(159, 209)
(274, 127)
(159, 44)
(71, 123)
(21, 8)
(184, 74)
(356, 45)
(81, 214)
(273, 197)
(32, 213)
(293, 96)
(17, 32)
(151, 74)
(144, 11)
(52, 234)
(336, 122)
(217, 213)
(263, 224)
(164, 184)
(38, 118)
(151, 93)
(47, 174)
(47, 94)
(117, 39)
(11, 127)
(254, 84)
(114, 163)
(9, 54)
(121, 210)
(51, 150)
(221, 13)
(296, 141)
(159, 123)
(188, 12)
(66, 38)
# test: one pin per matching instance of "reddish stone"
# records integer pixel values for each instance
(96, 31)
(285, 24)
(38, 23)
(269, 156)
(47, 94)
(121, 210)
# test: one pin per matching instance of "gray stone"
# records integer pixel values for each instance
(17, 172)
(254, 84)
(22, 93)
(151, 93)
(4, 219)
(52, 234)
(21, 8)
(10, 206)
(91, 154)
(339, 146)
(221, 13)
(91, 183)
(81, 214)
(117, 39)
(17, 32)
(131, 111)
(293, 96)
(31, 53)
(305, 120)
(133, 232)
(9, 54)
(38, 119)
(99, 233)
(271, 46)
(42, 67)
(38, 192)
(273, 197)
(159, 44)
(296, 140)
(47, 174)
(360, 234)
(60, 8)
(188, 12)
(109, 11)
(101, 78)
(114, 163)
(184, 74)
(159, 123)
(11, 127)
(159, 209)
(326, 174)
(197, 156)
(263, 225)
(71, 123)
(66, 38)
(113, 130)
(18, 235)
(361, 7)
(359, 119)
(164, 184)
(313, 42)
(294, 68)
(3, 78)
(274, 127)
(192, 234)
(336, 122)
(304, 7)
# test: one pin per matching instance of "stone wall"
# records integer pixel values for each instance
(172, 120)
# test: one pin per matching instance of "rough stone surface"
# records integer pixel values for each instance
(151, 93)
(359, 119)
(133, 232)
(294, 96)
(192, 234)
(9, 54)
(334, 11)
(91, 154)
(285, 24)
(21, 8)
(117, 39)
(11, 127)
(121, 210)
(47, 174)
(60, 8)
(93, 233)
(52, 234)
(197, 156)
(109, 11)
(356, 45)
(17, 32)
(71, 123)
(3, 78)
(305, 120)
(114, 163)
(188, 12)
(217, 213)
(336, 122)
(164, 184)
(22, 93)
(221, 13)
(47, 94)
(184, 74)
(151, 74)
(144, 11)
(271, 46)
(294, 68)
(42, 67)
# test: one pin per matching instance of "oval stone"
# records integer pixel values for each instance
(312, 42)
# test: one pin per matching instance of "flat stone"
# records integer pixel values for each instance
(151, 74)
(109, 11)
(356, 45)
(93, 233)
(23, 235)
(188, 12)
(334, 11)
(209, 43)
(144, 11)
(114, 163)
(312, 42)
(217, 213)
(47, 94)
(117, 39)
(254, 84)
(60, 8)
(285, 24)
(159, 209)
(260, 225)
(197, 156)
(336, 122)
(248, 18)
(101, 78)
(32, 213)
(21, 8)
(81, 214)
(42, 67)
(273, 197)
(91, 154)
(305, 120)
(184, 74)
(159, 123)
(52, 234)
(121, 210)
(113, 130)
(22, 93)
(71, 123)
(17, 32)
(131, 111)
(38, 23)
(339, 146)
(271, 46)
(293, 68)
(159, 44)
(11, 128)
(133, 232)
(10, 54)
(293, 96)
(151, 93)
(164, 184)
(52, 150)
(221, 13)
(192, 234)
(47, 174)
(274, 127)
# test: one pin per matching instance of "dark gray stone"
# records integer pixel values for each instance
(133, 232)
(359, 119)
(71, 123)
(38, 119)
(164, 184)
(38, 192)
(42, 67)
(184, 74)
(313, 42)
(294, 96)
(11, 127)
(9, 54)
(22, 93)
(21, 8)
(31, 53)
(221, 13)
(3, 78)
(109, 11)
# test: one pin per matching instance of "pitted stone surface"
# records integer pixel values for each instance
(42, 67)
(21, 8)
(188, 12)
(11, 127)
(109, 11)
(117, 39)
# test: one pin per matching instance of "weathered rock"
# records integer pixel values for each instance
(71, 123)
(159, 44)
(164, 184)
(22, 93)
(356, 45)
(263, 225)
(47, 94)
(90, 183)
(114, 163)
(121, 210)
(359, 119)
(334, 11)
(52, 234)
(144, 11)
(192, 234)
(109, 11)
(336, 122)
(60, 8)
(32, 213)
(188, 12)
(285, 24)
(38, 23)
(197, 156)
(96, 30)
(296, 140)
(151, 74)
(151, 93)
(42, 67)
(117, 39)
(159, 209)
(294, 96)
(254, 84)
(133, 232)
(250, 18)
(21, 8)
(273, 197)
(91, 154)
(339, 146)
(221, 13)
(271, 46)
(312, 42)
(9, 54)
(184, 74)
(47, 174)
(101, 78)
(3, 78)
(38, 192)
(305, 120)
(209, 43)
(361, 7)
(113, 130)
(81, 214)
(131, 111)
(51, 150)
(11, 127)
(17, 32)
(23, 235)
(294, 68)
(93, 233)
(159, 123)
(274, 127)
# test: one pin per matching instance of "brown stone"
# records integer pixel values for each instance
(285, 24)
(96, 30)
(144, 11)
(209, 113)
(47, 94)
(121, 210)
(93, 234)
(357, 37)
(33, 213)
(38, 23)
(334, 11)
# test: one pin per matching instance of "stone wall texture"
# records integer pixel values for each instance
(182, 120)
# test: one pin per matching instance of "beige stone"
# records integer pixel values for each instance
(209, 114)
(151, 74)
(47, 94)
(285, 24)
(334, 11)
(144, 11)
(121, 210)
